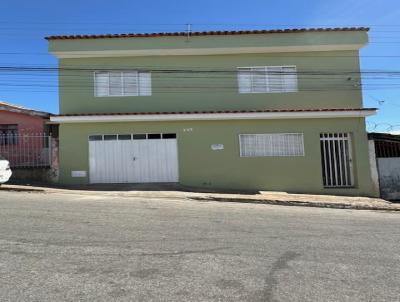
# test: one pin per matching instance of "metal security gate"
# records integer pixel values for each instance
(133, 158)
(336, 156)
(26, 150)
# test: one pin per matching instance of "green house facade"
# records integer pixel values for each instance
(254, 110)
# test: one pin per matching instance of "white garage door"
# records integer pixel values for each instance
(133, 158)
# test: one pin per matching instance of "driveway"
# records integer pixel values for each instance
(71, 247)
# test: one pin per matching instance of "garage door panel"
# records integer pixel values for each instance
(140, 167)
(172, 159)
(153, 160)
(126, 160)
(110, 162)
(94, 170)
(133, 161)
(97, 160)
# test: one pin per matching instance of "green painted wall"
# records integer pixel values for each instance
(201, 167)
(210, 90)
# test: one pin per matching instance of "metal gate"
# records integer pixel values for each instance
(133, 158)
(336, 156)
(26, 150)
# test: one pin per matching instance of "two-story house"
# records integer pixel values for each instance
(265, 110)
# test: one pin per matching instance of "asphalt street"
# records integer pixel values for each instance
(68, 247)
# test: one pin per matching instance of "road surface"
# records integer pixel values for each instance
(68, 247)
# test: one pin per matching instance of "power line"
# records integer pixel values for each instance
(283, 56)
(187, 69)
(201, 23)
(200, 88)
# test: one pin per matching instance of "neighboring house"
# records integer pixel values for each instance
(18, 120)
(22, 135)
(385, 163)
(252, 110)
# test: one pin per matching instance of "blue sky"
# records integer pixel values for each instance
(23, 24)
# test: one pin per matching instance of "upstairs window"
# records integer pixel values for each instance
(122, 83)
(267, 79)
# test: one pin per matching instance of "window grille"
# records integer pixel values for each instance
(336, 156)
(274, 144)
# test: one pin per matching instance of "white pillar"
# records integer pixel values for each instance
(374, 168)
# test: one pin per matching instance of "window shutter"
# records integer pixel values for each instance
(115, 83)
(267, 79)
(275, 79)
(244, 80)
(290, 78)
(131, 85)
(260, 80)
(101, 83)
(144, 83)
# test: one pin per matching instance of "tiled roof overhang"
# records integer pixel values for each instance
(223, 111)
(215, 115)
(19, 109)
(205, 33)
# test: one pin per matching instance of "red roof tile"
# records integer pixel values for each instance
(19, 109)
(204, 33)
(224, 111)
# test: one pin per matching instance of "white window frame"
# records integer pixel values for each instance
(267, 88)
(131, 134)
(280, 155)
(139, 91)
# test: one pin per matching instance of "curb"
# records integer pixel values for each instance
(297, 203)
(346, 206)
(21, 190)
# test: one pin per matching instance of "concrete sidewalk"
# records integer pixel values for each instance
(176, 192)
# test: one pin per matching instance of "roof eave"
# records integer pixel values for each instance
(24, 111)
(205, 33)
(206, 116)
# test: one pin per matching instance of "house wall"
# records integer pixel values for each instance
(202, 167)
(29, 149)
(26, 123)
(389, 177)
(216, 88)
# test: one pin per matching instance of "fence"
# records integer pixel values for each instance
(26, 150)
(385, 148)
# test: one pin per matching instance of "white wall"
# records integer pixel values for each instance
(374, 167)
(389, 177)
